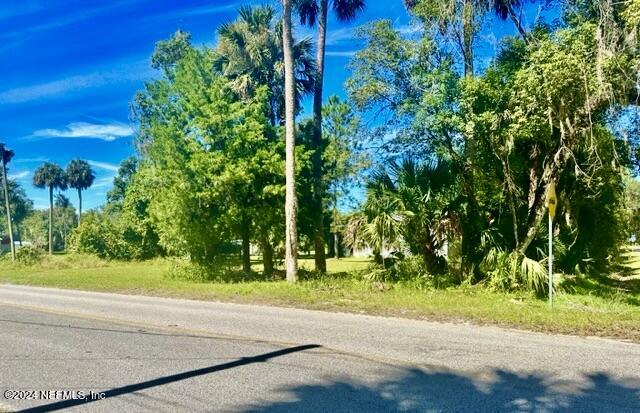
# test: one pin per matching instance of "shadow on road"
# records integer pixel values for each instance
(119, 391)
(424, 391)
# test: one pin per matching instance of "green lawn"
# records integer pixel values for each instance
(592, 309)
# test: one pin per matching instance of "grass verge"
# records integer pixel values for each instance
(590, 310)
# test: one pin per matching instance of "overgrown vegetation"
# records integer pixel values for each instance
(455, 160)
(587, 307)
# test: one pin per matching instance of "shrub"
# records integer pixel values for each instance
(29, 255)
(99, 236)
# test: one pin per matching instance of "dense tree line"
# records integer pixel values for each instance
(462, 155)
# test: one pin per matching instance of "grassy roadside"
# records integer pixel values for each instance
(590, 310)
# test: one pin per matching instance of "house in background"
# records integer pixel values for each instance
(5, 244)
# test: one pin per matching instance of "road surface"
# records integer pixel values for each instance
(132, 353)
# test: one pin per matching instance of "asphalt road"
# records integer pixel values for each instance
(162, 355)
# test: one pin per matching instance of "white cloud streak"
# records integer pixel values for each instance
(105, 132)
(106, 182)
(104, 165)
(342, 54)
(19, 175)
(126, 72)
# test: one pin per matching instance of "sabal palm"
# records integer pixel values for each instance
(312, 12)
(5, 157)
(80, 176)
(290, 106)
(426, 191)
(250, 53)
(386, 218)
(50, 176)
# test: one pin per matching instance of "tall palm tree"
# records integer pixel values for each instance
(290, 206)
(80, 176)
(5, 157)
(50, 176)
(250, 53)
(312, 12)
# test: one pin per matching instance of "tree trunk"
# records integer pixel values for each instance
(267, 256)
(79, 206)
(7, 206)
(246, 245)
(516, 21)
(291, 231)
(318, 219)
(50, 219)
(336, 245)
(468, 33)
(537, 213)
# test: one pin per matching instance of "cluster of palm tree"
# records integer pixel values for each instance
(78, 175)
(312, 13)
(259, 49)
(410, 205)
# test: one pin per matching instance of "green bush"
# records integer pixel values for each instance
(99, 236)
(29, 255)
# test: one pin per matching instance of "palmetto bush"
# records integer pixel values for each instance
(513, 270)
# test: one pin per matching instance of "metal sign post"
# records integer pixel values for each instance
(552, 201)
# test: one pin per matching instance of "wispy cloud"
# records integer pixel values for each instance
(106, 182)
(346, 35)
(342, 54)
(104, 165)
(19, 175)
(19, 9)
(138, 70)
(30, 160)
(105, 132)
(82, 14)
(198, 11)
(194, 12)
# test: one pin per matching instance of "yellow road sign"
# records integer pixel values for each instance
(552, 199)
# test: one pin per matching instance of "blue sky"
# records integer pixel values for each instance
(69, 69)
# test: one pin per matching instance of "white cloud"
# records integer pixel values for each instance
(105, 132)
(350, 34)
(81, 14)
(117, 72)
(342, 54)
(106, 182)
(19, 175)
(30, 160)
(104, 165)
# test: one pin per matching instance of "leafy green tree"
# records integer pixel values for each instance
(50, 176)
(36, 228)
(344, 159)
(80, 176)
(126, 172)
(213, 163)
(20, 205)
(541, 113)
(312, 12)
(65, 220)
(5, 157)
(168, 53)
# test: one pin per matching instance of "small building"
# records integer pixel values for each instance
(5, 244)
